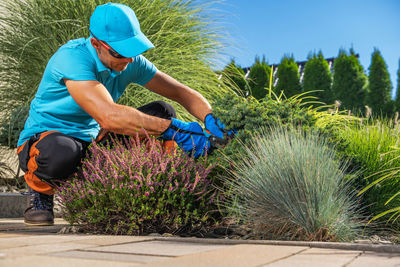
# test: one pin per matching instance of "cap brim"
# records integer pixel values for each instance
(133, 46)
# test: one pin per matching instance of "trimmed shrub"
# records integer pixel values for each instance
(379, 97)
(318, 78)
(397, 99)
(290, 185)
(235, 78)
(259, 78)
(349, 81)
(136, 187)
(288, 77)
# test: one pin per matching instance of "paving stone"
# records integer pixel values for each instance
(9, 235)
(16, 225)
(237, 255)
(160, 248)
(34, 240)
(318, 257)
(106, 240)
(376, 260)
(41, 249)
(49, 261)
(118, 257)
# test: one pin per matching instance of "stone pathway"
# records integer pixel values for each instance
(32, 246)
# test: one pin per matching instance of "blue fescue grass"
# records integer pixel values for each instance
(291, 186)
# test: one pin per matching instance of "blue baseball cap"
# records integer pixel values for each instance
(117, 25)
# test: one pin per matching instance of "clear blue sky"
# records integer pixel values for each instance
(277, 27)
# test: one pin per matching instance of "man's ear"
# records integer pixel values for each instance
(95, 43)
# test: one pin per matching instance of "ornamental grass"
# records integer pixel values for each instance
(291, 186)
(137, 187)
(188, 44)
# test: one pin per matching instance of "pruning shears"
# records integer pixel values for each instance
(217, 142)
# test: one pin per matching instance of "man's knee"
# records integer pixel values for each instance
(60, 157)
(54, 156)
(159, 109)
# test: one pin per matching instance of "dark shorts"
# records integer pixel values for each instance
(51, 155)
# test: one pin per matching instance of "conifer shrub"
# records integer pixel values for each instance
(288, 77)
(290, 185)
(136, 187)
(259, 78)
(249, 115)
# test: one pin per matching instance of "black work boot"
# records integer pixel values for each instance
(39, 209)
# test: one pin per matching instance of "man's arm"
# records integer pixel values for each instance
(190, 99)
(94, 98)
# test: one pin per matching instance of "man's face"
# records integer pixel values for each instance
(117, 64)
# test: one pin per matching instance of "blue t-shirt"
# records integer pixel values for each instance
(53, 108)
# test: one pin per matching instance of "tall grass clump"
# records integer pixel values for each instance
(137, 187)
(186, 38)
(291, 186)
(373, 146)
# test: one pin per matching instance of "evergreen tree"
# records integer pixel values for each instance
(380, 87)
(317, 76)
(349, 81)
(235, 78)
(288, 77)
(397, 101)
(259, 78)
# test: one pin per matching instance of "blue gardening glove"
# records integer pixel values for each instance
(189, 136)
(216, 127)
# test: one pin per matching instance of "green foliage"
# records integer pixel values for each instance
(249, 116)
(259, 78)
(290, 185)
(397, 100)
(288, 77)
(235, 78)
(370, 145)
(380, 87)
(349, 81)
(9, 130)
(185, 37)
(136, 187)
(317, 77)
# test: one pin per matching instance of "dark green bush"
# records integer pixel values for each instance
(249, 116)
(259, 78)
(10, 129)
(288, 77)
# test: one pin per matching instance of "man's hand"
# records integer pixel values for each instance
(189, 136)
(216, 127)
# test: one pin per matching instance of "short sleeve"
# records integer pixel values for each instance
(141, 70)
(73, 64)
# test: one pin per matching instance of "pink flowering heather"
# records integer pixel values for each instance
(136, 187)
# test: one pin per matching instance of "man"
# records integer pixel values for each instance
(77, 95)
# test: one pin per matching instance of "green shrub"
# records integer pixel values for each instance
(349, 81)
(9, 130)
(370, 145)
(235, 78)
(249, 116)
(259, 78)
(288, 77)
(136, 187)
(289, 185)
(318, 78)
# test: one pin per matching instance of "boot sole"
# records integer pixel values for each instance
(38, 223)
